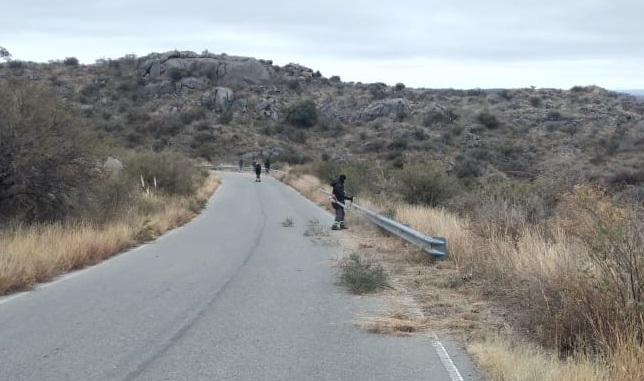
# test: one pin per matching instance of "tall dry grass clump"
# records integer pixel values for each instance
(38, 253)
(577, 278)
(516, 360)
(607, 293)
(436, 222)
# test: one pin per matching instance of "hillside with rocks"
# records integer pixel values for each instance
(220, 107)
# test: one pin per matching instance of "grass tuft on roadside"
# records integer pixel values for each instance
(363, 276)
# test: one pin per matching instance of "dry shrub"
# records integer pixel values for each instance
(498, 216)
(610, 297)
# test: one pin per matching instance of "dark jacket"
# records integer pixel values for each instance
(338, 190)
(258, 169)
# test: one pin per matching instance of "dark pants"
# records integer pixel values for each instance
(339, 213)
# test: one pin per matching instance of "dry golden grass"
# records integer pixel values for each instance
(627, 360)
(393, 322)
(35, 254)
(506, 359)
(439, 223)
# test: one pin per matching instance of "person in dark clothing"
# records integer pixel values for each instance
(338, 198)
(258, 171)
(241, 164)
(267, 165)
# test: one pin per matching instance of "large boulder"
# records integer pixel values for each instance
(385, 107)
(224, 98)
(219, 99)
(154, 90)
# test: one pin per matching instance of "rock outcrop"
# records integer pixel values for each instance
(222, 69)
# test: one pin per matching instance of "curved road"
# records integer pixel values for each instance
(233, 295)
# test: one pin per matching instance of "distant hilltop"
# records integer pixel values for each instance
(637, 93)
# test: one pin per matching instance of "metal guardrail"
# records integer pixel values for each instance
(436, 246)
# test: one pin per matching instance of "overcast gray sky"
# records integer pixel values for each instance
(421, 43)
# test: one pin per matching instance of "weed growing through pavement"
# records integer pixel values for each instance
(288, 222)
(313, 228)
(363, 276)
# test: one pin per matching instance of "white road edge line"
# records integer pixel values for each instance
(451, 369)
(12, 297)
(53, 282)
(446, 360)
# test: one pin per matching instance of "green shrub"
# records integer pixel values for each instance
(294, 85)
(194, 114)
(302, 114)
(535, 101)
(226, 117)
(16, 64)
(70, 61)
(363, 276)
(554, 115)
(176, 74)
(398, 144)
(424, 183)
(488, 120)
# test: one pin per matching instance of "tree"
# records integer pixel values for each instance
(71, 61)
(47, 162)
(4, 53)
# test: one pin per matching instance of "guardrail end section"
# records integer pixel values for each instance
(438, 248)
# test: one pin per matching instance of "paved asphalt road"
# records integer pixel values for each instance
(233, 295)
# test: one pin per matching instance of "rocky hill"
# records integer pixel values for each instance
(220, 107)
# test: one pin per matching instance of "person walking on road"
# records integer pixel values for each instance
(267, 165)
(241, 164)
(338, 198)
(258, 172)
